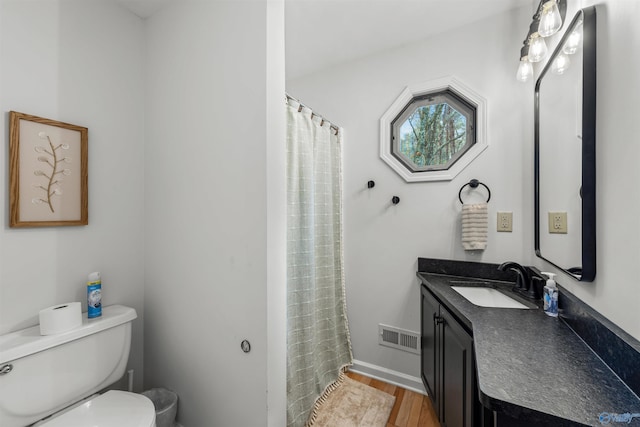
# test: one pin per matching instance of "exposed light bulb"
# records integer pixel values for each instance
(550, 19)
(573, 41)
(560, 64)
(525, 70)
(537, 49)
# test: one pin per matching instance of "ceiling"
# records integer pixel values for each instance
(321, 33)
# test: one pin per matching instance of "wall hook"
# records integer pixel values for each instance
(371, 184)
(395, 200)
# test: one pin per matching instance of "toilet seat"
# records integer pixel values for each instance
(114, 408)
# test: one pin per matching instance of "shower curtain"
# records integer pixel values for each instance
(318, 344)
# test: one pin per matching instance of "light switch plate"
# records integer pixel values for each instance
(505, 221)
(558, 222)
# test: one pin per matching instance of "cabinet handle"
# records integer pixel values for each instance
(439, 320)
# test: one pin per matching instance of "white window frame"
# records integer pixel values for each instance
(405, 98)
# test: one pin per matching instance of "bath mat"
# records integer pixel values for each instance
(353, 404)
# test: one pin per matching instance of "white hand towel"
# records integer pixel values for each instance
(475, 225)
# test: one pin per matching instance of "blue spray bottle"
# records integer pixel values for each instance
(94, 295)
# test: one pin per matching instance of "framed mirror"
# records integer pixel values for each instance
(565, 152)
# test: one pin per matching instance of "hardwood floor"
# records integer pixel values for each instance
(410, 409)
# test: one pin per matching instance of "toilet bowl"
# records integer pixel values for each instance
(112, 409)
(53, 379)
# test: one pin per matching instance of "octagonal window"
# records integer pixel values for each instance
(433, 131)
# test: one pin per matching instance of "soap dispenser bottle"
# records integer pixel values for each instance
(550, 296)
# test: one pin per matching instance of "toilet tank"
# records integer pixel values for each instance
(48, 373)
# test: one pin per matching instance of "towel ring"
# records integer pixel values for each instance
(473, 184)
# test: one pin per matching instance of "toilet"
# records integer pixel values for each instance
(54, 380)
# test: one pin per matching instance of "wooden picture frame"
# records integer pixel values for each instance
(48, 177)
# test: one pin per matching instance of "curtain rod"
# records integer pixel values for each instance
(313, 113)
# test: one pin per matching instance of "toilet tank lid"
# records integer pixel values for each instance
(15, 345)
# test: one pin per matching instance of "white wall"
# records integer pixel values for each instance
(382, 241)
(616, 290)
(82, 63)
(206, 191)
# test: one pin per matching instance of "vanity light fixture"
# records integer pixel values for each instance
(547, 20)
(525, 69)
(550, 19)
(537, 48)
(535, 43)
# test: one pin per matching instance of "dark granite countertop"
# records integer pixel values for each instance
(533, 365)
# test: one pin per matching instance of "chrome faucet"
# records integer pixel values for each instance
(523, 281)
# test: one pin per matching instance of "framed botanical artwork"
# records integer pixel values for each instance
(48, 178)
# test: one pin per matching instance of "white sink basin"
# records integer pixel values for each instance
(487, 297)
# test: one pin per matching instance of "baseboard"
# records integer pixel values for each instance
(388, 375)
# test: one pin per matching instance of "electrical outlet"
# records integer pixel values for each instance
(558, 222)
(505, 221)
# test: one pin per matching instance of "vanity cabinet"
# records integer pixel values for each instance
(447, 364)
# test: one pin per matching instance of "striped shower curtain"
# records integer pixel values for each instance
(318, 345)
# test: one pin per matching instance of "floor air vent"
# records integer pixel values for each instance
(399, 338)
